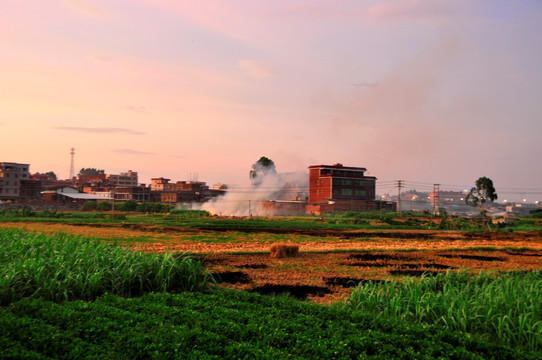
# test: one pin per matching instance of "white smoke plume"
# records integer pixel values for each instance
(246, 200)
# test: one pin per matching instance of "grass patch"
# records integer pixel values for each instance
(61, 267)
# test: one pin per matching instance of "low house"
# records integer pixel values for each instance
(69, 196)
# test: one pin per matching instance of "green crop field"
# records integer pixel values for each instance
(163, 216)
(503, 307)
(223, 325)
(60, 267)
(72, 297)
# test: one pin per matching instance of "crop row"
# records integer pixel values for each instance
(224, 324)
(505, 308)
(60, 267)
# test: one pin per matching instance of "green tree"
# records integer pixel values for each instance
(51, 175)
(264, 166)
(91, 171)
(482, 192)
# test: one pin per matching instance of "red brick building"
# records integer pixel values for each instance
(342, 188)
(340, 183)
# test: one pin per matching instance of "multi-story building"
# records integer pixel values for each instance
(134, 193)
(341, 188)
(339, 183)
(11, 175)
(124, 179)
(186, 186)
(30, 190)
(159, 184)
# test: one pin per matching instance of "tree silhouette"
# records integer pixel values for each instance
(264, 166)
(482, 192)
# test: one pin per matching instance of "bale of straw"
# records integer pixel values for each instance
(284, 250)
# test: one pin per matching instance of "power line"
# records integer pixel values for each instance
(399, 184)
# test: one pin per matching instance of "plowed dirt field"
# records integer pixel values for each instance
(330, 263)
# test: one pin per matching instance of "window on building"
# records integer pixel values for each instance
(363, 183)
(346, 182)
(346, 191)
(360, 192)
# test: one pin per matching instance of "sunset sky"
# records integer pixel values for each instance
(427, 91)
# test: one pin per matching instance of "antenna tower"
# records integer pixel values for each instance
(72, 167)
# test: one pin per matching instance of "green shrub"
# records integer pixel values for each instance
(90, 205)
(148, 207)
(104, 206)
(129, 205)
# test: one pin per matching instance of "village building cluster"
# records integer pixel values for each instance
(327, 188)
(19, 185)
(331, 188)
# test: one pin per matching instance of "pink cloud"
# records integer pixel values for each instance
(256, 69)
(382, 12)
(411, 10)
(229, 19)
(100, 130)
(87, 8)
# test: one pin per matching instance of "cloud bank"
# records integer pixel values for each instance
(100, 130)
(132, 152)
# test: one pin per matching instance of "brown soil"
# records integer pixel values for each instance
(330, 263)
(333, 274)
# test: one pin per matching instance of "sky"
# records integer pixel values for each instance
(426, 91)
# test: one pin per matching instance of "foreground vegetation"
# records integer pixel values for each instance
(72, 297)
(60, 267)
(505, 308)
(222, 325)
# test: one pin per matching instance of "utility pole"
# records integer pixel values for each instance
(400, 184)
(436, 199)
(72, 166)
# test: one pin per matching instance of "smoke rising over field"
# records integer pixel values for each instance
(265, 184)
